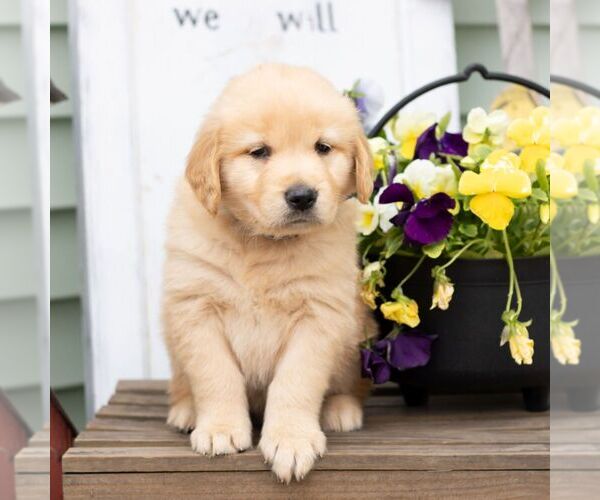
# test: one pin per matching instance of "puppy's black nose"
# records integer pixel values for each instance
(301, 197)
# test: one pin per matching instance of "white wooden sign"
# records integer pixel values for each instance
(146, 73)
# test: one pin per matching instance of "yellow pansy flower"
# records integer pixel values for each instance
(378, 146)
(563, 184)
(577, 155)
(402, 311)
(407, 128)
(532, 135)
(580, 136)
(500, 180)
(485, 128)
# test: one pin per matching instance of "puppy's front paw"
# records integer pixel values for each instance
(292, 452)
(342, 413)
(182, 415)
(220, 437)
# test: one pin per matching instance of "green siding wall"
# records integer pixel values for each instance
(19, 367)
(66, 353)
(19, 371)
(477, 40)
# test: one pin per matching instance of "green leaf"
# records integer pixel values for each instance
(539, 194)
(480, 152)
(393, 244)
(589, 173)
(434, 250)
(442, 125)
(466, 203)
(587, 195)
(542, 178)
(469, 230)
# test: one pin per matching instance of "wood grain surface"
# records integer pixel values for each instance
(474, 446)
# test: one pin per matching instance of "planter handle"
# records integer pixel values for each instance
(576, 84)
(458, 78)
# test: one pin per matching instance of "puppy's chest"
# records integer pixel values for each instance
(261, 311)
(257, 335)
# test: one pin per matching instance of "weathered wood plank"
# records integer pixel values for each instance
(143, 386)
(339, 457)
(32, 486)
(477, 446)
(40, 438)
(582, 484)
(33, 460)
(414, 435)
(384, 412)
(135, 398)
(124, 424)
(581, 456)
(318, 485)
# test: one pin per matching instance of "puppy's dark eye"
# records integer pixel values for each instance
(322, 148)
(260, 153)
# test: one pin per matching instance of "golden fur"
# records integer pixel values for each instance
(261, 307)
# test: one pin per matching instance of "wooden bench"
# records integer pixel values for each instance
(476, 446)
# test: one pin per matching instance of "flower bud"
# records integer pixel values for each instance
(593, 213)
(403, 311)
(565, 347)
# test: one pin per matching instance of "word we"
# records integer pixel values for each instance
(207, 17)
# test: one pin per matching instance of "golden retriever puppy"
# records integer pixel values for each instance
(261, 307)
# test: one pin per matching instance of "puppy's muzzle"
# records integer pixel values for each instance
(301, 197)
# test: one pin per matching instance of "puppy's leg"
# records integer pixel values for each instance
(181, 413)
(222, 423)
(291, 437)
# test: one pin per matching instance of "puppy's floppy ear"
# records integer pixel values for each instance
(363, 165)
(203, 170)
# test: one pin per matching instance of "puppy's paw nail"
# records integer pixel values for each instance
(292, 455)
(182, 415)
(221, 439)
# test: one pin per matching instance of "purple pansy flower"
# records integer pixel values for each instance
(368, 99)
(374, 366)
(425, 222)
(449, 144)
(410, 349)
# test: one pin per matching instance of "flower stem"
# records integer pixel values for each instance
(458, 254)
(557, 283)
(513, 282)
(413, 271)
(384, 175)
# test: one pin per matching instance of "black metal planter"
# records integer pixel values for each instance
(581, 383)
(581, 276)
(466, 356)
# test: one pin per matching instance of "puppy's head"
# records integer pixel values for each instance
(279, 151)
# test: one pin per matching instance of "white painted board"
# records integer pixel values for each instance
(146, 73)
